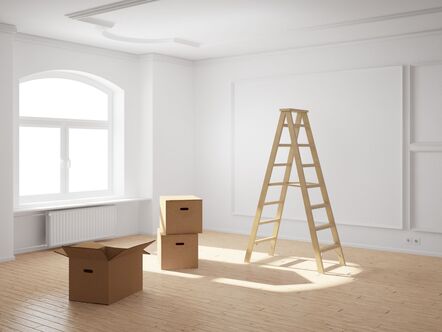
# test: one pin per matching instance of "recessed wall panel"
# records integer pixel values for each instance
(426, 103)
(356, 117)
(426, 191)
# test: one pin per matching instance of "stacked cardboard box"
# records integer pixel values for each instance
(181, 219)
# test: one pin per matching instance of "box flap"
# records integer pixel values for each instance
(61, 252)
(85, 252)
(113, 252)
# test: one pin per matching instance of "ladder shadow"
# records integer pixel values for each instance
(250, 273)
(301, 264)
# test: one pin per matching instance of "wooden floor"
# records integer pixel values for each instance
(378, 291)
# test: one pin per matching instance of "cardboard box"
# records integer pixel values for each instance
(181, 215)
(178, 251)
(104, 274)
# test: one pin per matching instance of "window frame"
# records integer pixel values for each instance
(65, 124)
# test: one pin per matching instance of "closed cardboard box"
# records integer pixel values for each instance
(178, 251)
(181, 215)
(104, 274)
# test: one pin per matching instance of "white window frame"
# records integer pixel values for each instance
(65, 125)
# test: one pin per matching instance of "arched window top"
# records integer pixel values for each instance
(63, 97)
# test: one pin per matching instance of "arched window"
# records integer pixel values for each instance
(65, 140)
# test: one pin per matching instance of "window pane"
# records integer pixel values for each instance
(39, 160)
(62, 98)
(88, 153)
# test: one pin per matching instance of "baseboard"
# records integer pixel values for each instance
(346, 244)
(7, 259)
(31, 249)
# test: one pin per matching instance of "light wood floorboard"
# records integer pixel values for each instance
(377, 291)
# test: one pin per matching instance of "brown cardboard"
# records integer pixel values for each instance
(177, 251)
(181, 215)
(104, 274)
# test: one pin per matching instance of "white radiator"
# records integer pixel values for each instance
(77, 225)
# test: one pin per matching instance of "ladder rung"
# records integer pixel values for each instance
(303, 145)
(308, 165)
(308, 184)
(277, 183)
(318, 206)
(272, 202)
(265, 239)
(323, 226)
(282, 164)
(296, 125)
(268, 221)
(329, 247)
(285, 145)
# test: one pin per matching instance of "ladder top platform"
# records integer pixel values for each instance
(292, 110)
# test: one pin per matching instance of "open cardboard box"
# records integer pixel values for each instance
(104, 274)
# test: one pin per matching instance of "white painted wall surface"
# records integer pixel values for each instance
(172, 130)
(216, 139)
(6, 139)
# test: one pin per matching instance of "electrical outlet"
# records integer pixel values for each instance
(413, 241)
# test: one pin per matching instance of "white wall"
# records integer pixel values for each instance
(180, 134)
(217, 93)
(172, 126)
(6, 139)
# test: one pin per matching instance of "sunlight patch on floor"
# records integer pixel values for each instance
(279, 274)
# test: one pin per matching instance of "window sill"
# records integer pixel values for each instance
(71, 204)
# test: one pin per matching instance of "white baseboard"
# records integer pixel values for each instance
(6, 259)
(30, 249)
(345, 244)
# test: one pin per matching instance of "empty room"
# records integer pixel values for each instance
(221, 165)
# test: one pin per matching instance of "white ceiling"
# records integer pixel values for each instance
(226, 27)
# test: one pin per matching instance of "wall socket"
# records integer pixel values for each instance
(413, 241)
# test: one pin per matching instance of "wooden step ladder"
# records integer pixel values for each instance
(294, 154)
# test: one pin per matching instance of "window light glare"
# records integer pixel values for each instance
(62, 98)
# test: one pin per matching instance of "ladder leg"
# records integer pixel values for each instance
(324, 193)
(264, 189)
(283, 195)
(305, 194)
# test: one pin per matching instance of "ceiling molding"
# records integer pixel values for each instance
(423, 33)
(155, 57)
(76, 47)
(78, 15)
(373, 19)
(98, 22)
(132, 40)
(8, 28)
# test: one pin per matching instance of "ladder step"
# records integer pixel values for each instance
(296, 125)
(285, 145)
(323, 226)
(303, 145)
(268, 221)
(308, 184)
(277, 183)
(272, 202)
(265, 239)
(329, 247)
(318, 206)
(308, 165)
(281, 164)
